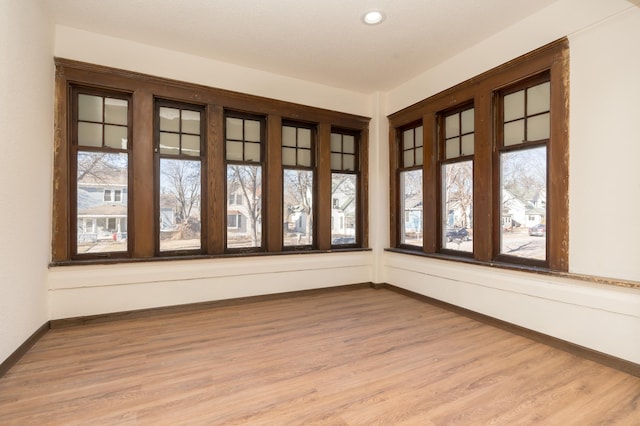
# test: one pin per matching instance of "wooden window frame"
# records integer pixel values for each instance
(360, 196)
(142, 90)
(482, 90)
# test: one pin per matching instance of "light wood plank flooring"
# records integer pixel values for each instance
(353, 356)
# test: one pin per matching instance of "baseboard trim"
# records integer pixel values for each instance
(173, 309)
(572, 348)
(23, 348)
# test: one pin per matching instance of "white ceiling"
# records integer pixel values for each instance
(317, 40)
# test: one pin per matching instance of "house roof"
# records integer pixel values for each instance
(105, 210)
(323, 41)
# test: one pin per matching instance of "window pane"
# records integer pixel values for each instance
(451, 126)
(349, 162)
(467, 144)
(467, 118)
(169, 119)
(419, 156)
(252, 130)
(298, 207)
(411, 207)
(115, 111)
(418, 137)
(407, 139)
(408, 158)
(349, 144)
(98, 171)
(304, 138)
(538, 127)
(288, 136)
(190, 145)
(234, 128)
(252, 152)
(523, 183)
(336, 161)
(514, 133)
(336, 142)
(180, 223)
(304, 157)
(89, 134)
(514, 106)
(289, 156)
(191, 122)
(244, 187)
(90, 108)
(115, 136)
(452, 148)
(457, 207)
(539, 98)
(343, 213)
(169, 143)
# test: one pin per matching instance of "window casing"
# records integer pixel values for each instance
(520, 117)
(100, 154)
(345, 195)
(456, 148)
(180, 161)
(410, 175)
(124, 139)
(299, 184)
(244, 153)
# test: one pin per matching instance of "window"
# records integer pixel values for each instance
(456, 187)
(180, 156)
(344, 187)
(410, 175)
(523, 137)
(298, 174)
(498, 140)
(101, 149)
(146, 167)
(244, 158)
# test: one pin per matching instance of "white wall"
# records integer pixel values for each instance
(26, 126)
(115, 52)
(604, 194)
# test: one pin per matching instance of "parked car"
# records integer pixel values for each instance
(457, 234)
(539, 230)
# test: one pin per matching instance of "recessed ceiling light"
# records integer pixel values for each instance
(373, 17)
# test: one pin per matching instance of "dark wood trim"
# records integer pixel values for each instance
(572, 348)
(23, 348)
(552, 59)
(143, 89)
(323, 203)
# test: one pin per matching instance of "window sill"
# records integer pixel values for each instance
(520, 268)
(112, 261)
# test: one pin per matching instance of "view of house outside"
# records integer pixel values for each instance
(297, 207)
(244, 206)
(411, 200)
(457, 208)
(343, 208)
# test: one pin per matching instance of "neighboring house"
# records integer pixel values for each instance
(239, 221)
(102, 208)
(524, 210)
(343, 214)
(413, 215)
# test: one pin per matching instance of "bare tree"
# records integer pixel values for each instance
(100, 166)
(458, 188)
(181, 179)
(299, 185)
(249, 180)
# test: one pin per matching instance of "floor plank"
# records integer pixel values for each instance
(351, 356)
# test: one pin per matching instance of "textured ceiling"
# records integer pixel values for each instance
(316, 40)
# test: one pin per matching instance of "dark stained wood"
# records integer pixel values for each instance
(142, 195)
(553, 57)
(274, 220)
(323, 203)
(363, 191)
(348, 356)
(429, 176)
(216, 180)
(144, 88)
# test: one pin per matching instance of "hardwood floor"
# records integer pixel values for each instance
(352, 356)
